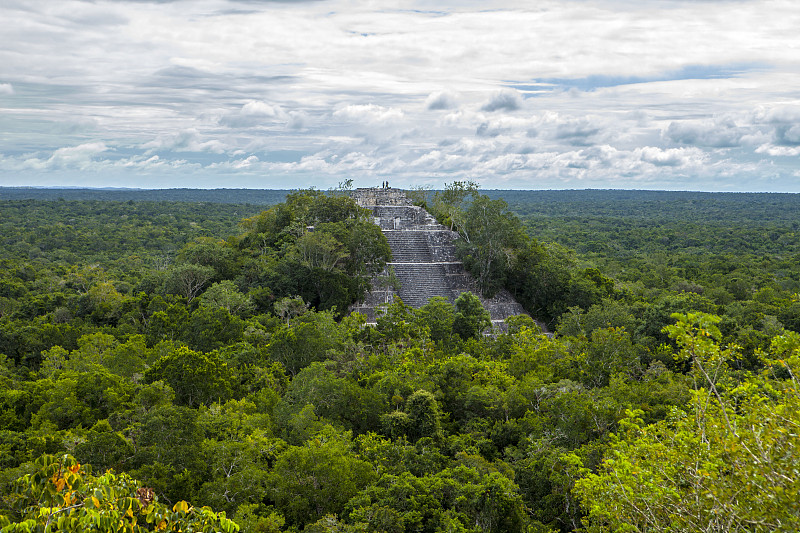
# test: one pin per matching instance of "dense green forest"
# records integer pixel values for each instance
(218, 196)
(154, 353)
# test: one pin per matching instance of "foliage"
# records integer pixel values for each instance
(458, 499)
(496, 251)
(726, 463)
(323, 248)
(252, 392)
(226, 295)
(491, 237)
(307, 339)
(61, 495)
(317, 478)
(423, 415)
(471, 319)
(197, 378)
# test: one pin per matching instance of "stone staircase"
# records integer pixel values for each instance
(419, 282)
(409, 246)
(423, 258)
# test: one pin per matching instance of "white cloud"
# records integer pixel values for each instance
(778, 151)
(188, 140)
(370, 113)
(788, 134)
(777, 114)
(297, 120)
(441, 100)
(260, 109)
(77, 154)
(577, 130)
(782, 125)
(80, 157)
(88, 158)
(487, 129)
(140, 164)
(503, 100)
(672, 157)
(249, 163)
(717, 133)
(438, 160)
(253, 113)
(573, 92)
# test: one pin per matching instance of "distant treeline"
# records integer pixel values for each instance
(638, 203)
(217, 196)
(654, 205)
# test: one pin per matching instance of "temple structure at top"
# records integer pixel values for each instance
(424, 261)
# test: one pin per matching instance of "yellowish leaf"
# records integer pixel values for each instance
(181, 506)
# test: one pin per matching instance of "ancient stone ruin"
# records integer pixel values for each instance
(424, 261)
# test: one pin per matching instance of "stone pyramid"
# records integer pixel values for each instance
(423, 258)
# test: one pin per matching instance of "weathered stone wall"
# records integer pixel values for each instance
(392, 210)
(372, 196)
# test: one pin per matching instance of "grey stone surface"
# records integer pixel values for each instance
(423, 258)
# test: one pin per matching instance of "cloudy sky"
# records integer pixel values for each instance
(575, 94)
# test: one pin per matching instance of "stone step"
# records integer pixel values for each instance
(420, 282)
(421, 245)
(409, 246)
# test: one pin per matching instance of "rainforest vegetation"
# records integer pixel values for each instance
(191, 365)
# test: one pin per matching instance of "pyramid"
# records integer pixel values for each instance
(423, 258)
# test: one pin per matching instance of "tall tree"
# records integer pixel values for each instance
(471, 317)
(450, 205)
(492, 236)
(188, 279)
